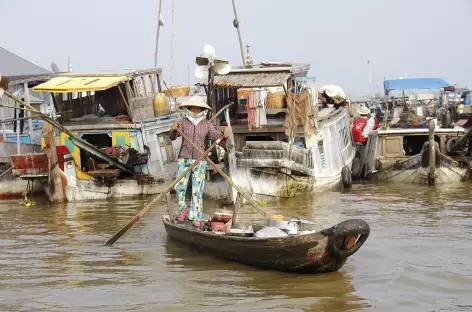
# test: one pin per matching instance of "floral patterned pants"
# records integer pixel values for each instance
(198, 184)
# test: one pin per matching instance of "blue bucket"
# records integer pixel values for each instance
(467, 100)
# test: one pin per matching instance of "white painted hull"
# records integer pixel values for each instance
(14, 187)
(262, 167)
(85, 190)
(420, 175)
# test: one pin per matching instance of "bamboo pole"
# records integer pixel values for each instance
(172, 46)
(236, 24)
(137, 217)
(218, 169)
(28, 113)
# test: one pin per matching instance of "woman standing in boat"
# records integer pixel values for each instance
(198, 128)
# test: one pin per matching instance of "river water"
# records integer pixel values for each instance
(417, 258)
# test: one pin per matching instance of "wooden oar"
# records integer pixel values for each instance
(247, 197)
(160, 196)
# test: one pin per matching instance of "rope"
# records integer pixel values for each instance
(4, 172)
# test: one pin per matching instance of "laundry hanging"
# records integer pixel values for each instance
(261, 118)
(251, 109)
(256, 108)
(300, 112)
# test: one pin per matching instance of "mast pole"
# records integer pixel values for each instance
(236, 25)
(158, 31)
(172, 46)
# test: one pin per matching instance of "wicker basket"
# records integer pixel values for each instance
(178, 91)
(276, 100)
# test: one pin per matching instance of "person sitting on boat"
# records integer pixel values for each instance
(197, 127)
(362, 126)
(333, 96)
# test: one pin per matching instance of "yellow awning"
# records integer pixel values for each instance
(66, 84)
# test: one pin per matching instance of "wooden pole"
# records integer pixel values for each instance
(247, 197)
(28, 113)
(2, 116)
(172, 46)
(137, 217)
(236, 24)
(432, 154)
(158, 31)
(56, 191)
(17, 129)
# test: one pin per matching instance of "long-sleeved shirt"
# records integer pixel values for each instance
(198, 134)
(369, 127)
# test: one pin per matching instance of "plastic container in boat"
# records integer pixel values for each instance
(161, 105)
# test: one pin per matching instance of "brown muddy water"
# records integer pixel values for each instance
(418, 258)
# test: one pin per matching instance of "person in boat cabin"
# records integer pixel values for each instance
(198, 128)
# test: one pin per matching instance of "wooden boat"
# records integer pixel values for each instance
(318, 252)
(400, 153)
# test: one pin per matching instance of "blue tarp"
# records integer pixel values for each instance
(415, 83)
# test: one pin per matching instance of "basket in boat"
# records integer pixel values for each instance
(178, 91)
(276, 100)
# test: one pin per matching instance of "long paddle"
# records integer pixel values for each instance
(137, 217)
(248, 198)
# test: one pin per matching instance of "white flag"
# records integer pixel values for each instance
(161, 20)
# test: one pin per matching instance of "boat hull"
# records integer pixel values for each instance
(411, 171)
(84, 190)
(14, 188)
(319, 252)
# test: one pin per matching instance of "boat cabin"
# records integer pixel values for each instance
(274, 79)
(115, 113)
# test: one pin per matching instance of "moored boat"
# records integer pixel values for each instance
(413, 146)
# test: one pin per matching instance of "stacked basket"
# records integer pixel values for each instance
(178, 91)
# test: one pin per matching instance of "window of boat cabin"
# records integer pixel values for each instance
(99, 140)
(413, 144)
(85, 105)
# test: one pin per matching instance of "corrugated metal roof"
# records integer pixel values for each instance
(274, 79)
(12, 65)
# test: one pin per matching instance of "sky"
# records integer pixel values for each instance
(401, 38)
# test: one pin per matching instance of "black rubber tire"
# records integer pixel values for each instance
(348, 227)
(346, 176)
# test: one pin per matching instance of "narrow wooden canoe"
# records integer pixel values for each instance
(319, 252)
